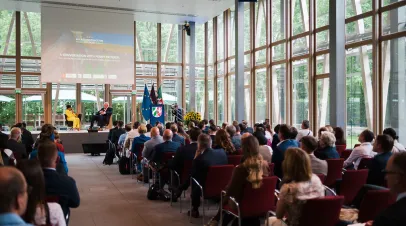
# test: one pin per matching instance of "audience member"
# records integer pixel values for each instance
(304, 131)
(121, 140)
(249, 173)
(395, 172)
(131, 135)
(168, 125)
(167, 146)
(245, 128)
(212, 133)
(327, 148)
(118, 132)
(211, 122)
(264, 150)
(150, 144)
(329, 128)
(321, 130)
(223, 141)
(58, 142)
(182, 133)
(293, 133)
(383, 145)
(13, 197)
(364, 150)
(115, 127)
(138, 143)
(279, 153)
(224, 125)
(397, 147)
(268, 133)
(266, 122)
(148, 133)
(161, 129)
(299, 184)
(309, 145)
(204, 158)
(39, 212)
(340, 136)
(15, 145)
(26, 137)
(275, 137)
(176, 137)
(235, 136)
(57, 184)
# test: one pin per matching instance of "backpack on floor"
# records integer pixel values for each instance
(153, 192)
(110, 154)
(124, 165)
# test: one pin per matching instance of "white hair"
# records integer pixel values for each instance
(107, 103)
(327, 139)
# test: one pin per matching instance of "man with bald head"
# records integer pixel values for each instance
(14, 144)
(150, 145)
(167, 146)
(13, 196)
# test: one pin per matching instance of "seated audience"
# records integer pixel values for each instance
(140, 140)
(15, 145)
(304, 131)
(340, 137)
(245, 128)
(321, 130)
(364, 150)
(383, 145)
(249, 173)
(234, 135)
(329, 128)
(395, 172)
(26, 137)
(150, 144)
(293, 133)
(131, 135)
(223, 141)
(121, 140)
(278, 154)
(168, 125)
(57, 184)
(224, 125)
(275, 137)
(176, 137)
(327, 148)
(115, 136)
(148, 133)
(73, 117)
(397, 147)
(309, 145)
(13, 197)
(264, 150)
(268, 133)
(204, 158)
(3, 137)
(212, 133)
(167, 146)
(161, 129)
(182, 133)
(58, 142)
(39, 212)
(115, 127)
(299, 185)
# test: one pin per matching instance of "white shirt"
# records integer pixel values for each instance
(303, 133)
(55, 215)
(268, 135)
(401, 196)
(398, 147)
(362, 151)
(132, 134)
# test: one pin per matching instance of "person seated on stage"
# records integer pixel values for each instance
(13, 196)
(48, 134)
(176, 137)
(57, 184)
(121, 140)
(14, 144)
(58, 142)
(102, 117)
(115, 136)
(72, 117)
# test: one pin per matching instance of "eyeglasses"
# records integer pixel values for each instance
(391, 172)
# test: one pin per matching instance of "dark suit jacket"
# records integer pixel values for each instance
(178, 138)
(64, 187)
(394, 215)
(327, 153)
(27, 140)
(106, 117)
(111, 131)
(167, 146)
(279, 155)
(183, 154)
(275, 141)
(17, 148)
(116, 135)
(378, 163)
(210, 157)
(3, 140)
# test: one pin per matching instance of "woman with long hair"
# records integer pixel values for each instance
(182, 133)
(223, 141)
(339, 134)
(39, 212)
(299, 185)
(249, 173)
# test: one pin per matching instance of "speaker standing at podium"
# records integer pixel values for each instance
(177, 112)
(102, 116)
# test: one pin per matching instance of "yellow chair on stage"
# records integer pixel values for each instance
(72, 117)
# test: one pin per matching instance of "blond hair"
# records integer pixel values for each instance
(142, 129)
(296, 165)
(253, 161)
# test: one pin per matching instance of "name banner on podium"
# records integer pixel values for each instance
(157, 114)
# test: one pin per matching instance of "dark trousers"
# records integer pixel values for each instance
(195, 196)
(100, 119)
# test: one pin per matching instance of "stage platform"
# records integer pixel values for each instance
(73, 140)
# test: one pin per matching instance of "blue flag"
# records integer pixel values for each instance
(146, 105)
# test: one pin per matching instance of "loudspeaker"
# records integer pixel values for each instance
(93, 130)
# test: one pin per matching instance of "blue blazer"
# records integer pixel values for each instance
(141, 139)
(378, 163)
(179, 139)
(210, 157)
(279, 155)
(327, 153)
(167, 146)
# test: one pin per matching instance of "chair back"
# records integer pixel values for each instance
(340, 148)
(271, 168)
(321, 211)
(346, 153)
(187, 141)
(353, 181)
(364, 163)
(335, 167)
(217, 179)
(167, 156)
(322, 177)
(187, 169)
(234, 159)
(257, 202)
(374, 202)
(68, 123)
(138, 151)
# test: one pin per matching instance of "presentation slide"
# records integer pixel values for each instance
(82, 46)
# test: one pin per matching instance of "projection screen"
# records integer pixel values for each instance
(81, 46)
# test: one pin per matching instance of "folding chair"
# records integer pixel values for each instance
(335, 168)
(234, 159)
(352, 182)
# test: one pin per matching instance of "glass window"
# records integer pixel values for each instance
(300, 105)
(353, 8)
(7, 64)
(7, 81)
(220, 69)
(62, 95)
(31, 81)
(30, 34)
(278, 52)
(359, 92)
(210, 42)
(260, 14)
(322, 8)
(260, 95)
(278, 94)
(169, 70)
(231, 84)
(220, 37)
(394, 86)
(260, 57)
(199, 92)
(322, 40)
(247, 27)
(171, 94)
(122, 108)
(358, 30)
(92, 100)
(146, 69)
(387, 2)
(121, 87)
(171, 47)
(278, 19)
(8, 110)
(394, 20)
(7, 33)
(323, 102)
(300, 46)
(300, 12)
(199, 44)
(220, 101)
(146, 41)
(321, 64)
(231, 39)
(33, 111)
(247, 96)
(210, 89)
(28, 65)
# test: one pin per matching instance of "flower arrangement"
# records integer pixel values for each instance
(191, 116)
